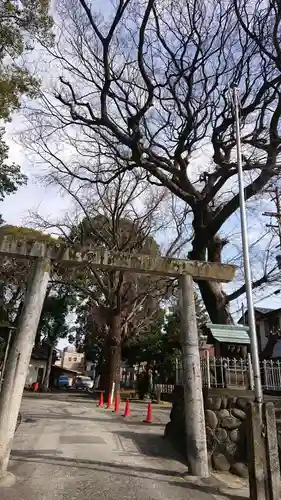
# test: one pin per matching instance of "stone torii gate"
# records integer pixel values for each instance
(43, 254)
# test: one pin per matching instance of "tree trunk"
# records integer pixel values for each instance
(213, 295)
(267, 352)
(46, 380)
(214, 299)
(112, 356)
(100, 364)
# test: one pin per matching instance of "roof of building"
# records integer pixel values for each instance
(264, 311)
(230, 334)
(64, 370)
(40, 351)
(70, 348)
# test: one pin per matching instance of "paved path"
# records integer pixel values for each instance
(72, 450)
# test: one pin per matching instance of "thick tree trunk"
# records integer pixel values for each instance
(267, 352)
(113, 356)
(100, 365)
(46, 380)
(212, 292)
(214, 299)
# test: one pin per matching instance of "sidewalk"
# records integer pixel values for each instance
(69, 451)
(220, 483)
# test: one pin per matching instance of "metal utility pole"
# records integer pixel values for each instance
(246, 256)
(193, 397)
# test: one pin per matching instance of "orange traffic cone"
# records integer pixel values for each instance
(127, 409)
(109, 401)
(116, 407)
(148, 419)
(100, 405)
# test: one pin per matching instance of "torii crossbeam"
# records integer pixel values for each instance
(101, 258)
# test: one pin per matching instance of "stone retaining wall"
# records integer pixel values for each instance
(225, 427)
(226, 430)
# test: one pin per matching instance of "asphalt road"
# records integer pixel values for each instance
(70, 450)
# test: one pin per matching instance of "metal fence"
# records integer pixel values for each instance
(164, 388)
(226, 372)
(236, 373)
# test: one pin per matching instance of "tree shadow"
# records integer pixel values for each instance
(51, 457)
(34, 417)
(153, 445)
(208, 488)
(61, 396)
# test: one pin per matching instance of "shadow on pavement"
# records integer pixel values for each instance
(184, 481)
(51, 456)
(207, 488)
(152, 445)
(63, 396)
(135, 422)
(33, 417)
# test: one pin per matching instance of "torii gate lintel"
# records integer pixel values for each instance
(103, 259)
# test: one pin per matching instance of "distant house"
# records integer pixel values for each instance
(268, 321)
(72, 360)
(37, 365)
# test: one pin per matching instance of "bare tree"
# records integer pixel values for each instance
(145, 85)
(124, 216)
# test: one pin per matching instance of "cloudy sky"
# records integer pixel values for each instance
(50, 203)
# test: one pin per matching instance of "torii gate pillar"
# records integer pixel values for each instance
(193, 397)
(19, 358)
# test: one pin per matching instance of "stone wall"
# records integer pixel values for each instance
(225, 427)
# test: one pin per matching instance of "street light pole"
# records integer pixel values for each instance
(246, 257)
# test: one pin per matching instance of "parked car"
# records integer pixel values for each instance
(84, 383)
(63, 381)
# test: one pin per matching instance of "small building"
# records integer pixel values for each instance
(268, 322)
(230, 365)
(37, 366)
(229, 341)
(72, 360)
